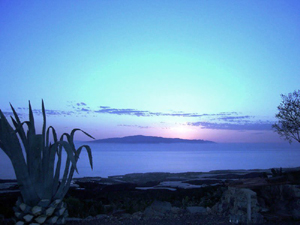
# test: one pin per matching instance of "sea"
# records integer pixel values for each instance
(120, 159)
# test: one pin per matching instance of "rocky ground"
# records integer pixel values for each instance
(216, 197)
(192, 219)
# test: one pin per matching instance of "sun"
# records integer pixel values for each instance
(183, 131)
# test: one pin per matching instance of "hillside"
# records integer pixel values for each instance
(140, 139)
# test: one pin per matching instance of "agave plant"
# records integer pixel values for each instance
(37, 164)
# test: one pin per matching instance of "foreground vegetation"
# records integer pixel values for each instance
(38, 171)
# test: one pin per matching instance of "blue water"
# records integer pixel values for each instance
(118, 159)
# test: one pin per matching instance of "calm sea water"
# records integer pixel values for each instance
(119, 159)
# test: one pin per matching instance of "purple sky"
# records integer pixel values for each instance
(209, 70)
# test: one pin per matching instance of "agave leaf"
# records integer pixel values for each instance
(66, 186)
(39, 178)
(69, 152)
(12, 147)
(77, 129)
(35, 167)
(66, 171)
(14, 122)
(45, 149)
(68, 160)
(3, 133)
(70, 141)
(44, 126)
(50, 182)
(89, 151)
(2, 146)
(44, 119)
(67, 174)
(49, 157)
(57, 170)
(19, 127)
(31, 119)
(54, 135)
(15, 113)
(31, 154)
(49, 168)
(67, 136)
(8, 137)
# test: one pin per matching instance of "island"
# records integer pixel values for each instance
(141, 139)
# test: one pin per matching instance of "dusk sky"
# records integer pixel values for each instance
(210, 70)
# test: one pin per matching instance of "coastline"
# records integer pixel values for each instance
(219, 176)
(129, 198)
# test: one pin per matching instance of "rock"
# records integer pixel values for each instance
(89, 218)
(52, 220)
(28, 217)
(295, 191)
(57, 201)
(282, 201)
(157, 209)
(44, 203)
(294, 201)
(119, 212)
(296, 210)
(71, 219)
(148, 184)
(41, 219)
(18, 215)
(120, 187)
(61, 211)
(208, 210)
(50, 211)
(137, 215)
(196, 209)
(206, 181)
(125, 216)
(294, 176)
(101, 216)
(176, 210)
(22, 206)
(241, 205)
(36, 210)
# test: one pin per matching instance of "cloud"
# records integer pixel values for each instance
(53, 112)
(225, 120)
(81, 103)
(131, 112)
(143, 113)
(258, 125)
(258, 133)
(236, 118)
(134, 126)
(23, 112)
(85, 110)
(8, 114)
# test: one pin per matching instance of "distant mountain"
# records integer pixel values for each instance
(140, 139)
